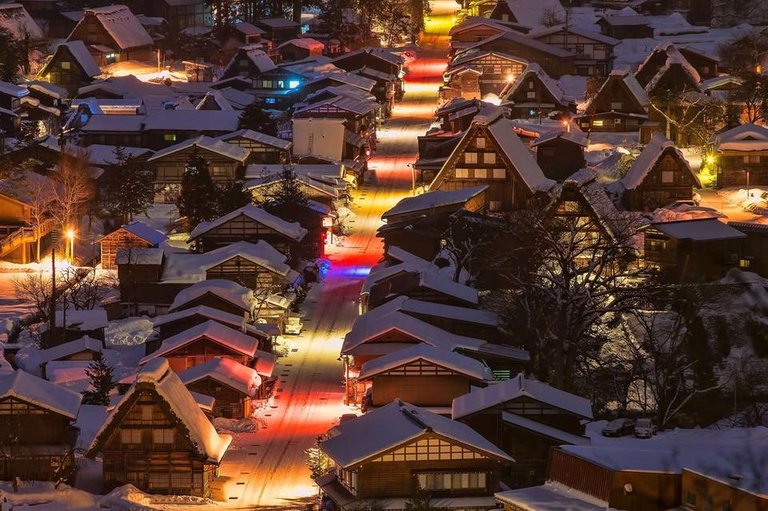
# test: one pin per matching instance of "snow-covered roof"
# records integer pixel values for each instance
(396, 424)
(70, 373)
(190, 120)
(229, 290)
(82, 56)
(304, 42)
(26, 387)
(437, 282)
(699, 229)
(361, 82)
(432, 200)
(158, 376)
(216, 98)
(292, 230)
(381, 320)
(11, 89)
(277, 23)
(121, 24)
(145, 232)
(380, 53)
(532, 14)
(230, 151)
(645, 162)
(191, 267)
(632, 86)
(520, 158)
(343, 102)
(91, 319)
(544, 429)
(438, 356)
(204, 402)
(574, 135)
(66, 349)
(227, 371)
(16, 20)
(585, 31)
(674, 59)
(534, 69)
(257, 56)
(475, 21)
(550, 496)
(213, 330)
(232, 320)
(747, 137)
(517, 387)
(441, 310)
(256, 136)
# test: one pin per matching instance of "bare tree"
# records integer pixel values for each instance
(689, 116)
(73, 189)
(465, 240)
(40, 198)
(85, 288)
(35, 288)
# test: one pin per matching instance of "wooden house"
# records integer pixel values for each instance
(742, 156)
(168, 325)
(560, 153)
(661, 57)
(754, 248)
(299, 49)
(279, 30)
(233, 385)
(707, 489)
(423, 283)
(250, 61)
(38, 438)
(705, 64)
(528, 14)
(474, 29)
(553, 60)
(525, 418)
(398, 449)
(534, 95)
(263, 148)
(72, 324)
(204, 342)
(71, 66)
(474, 73)
(626, 27)
(677, 75)
(134, 234)
(424, 375)
(621, 104)
(113, 34)
(465, 321)
(139, 271)
(593, 51)
(179, 14)
(380, 59)
(249, 223)
(19, 236)
(223, 295)
(698, 250)
(84, 349)
(158, 439)
(659, 176)
(224, 160)
(314, 217)
(10, 103)
(491, 154)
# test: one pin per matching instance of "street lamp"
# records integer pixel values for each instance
(413, 177)
(747, 172)
(71, 238)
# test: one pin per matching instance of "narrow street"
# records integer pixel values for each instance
(267, 469)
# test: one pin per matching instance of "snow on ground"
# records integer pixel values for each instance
(11, 306)
(43, 496)
(89, 420)
(574, 87)
(749, 200)
(160, 216)
(128, 331)
(224, 425)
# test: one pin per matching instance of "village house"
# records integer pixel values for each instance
(263, 180)
(525, 418)
(474, 29)
(393, 451)
(71, 324)
(424, 375)
(10, 102)
(223, 295)
(706, 489)
(474, 74)
(263, 148)
(593, 51)
(81, 352)
(158, 439)
(279, 30)
(202, 343)
(38, 438)
(300, 48)
(172, 323)
(233, 385)
(379, 59)
(113, 34)
(529, 14)
(742, 156)
(754, 248)
(621, 104)
(71, 66)
(658, 177)
(677, 75)
(560, 152)
(249, 223)
(224, 160)
(491, 154)
(134, 234)
(626, 27)
(179, 14)
(667, 53)
(534, 95)
(696, 250)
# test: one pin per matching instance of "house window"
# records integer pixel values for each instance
(579, 49)
(530, 95)
(530, 85)
(617, 122)
(169, 137)
(281, 84)
(159, 481)
(489, 158)
(162, 436)
(243, 63)
(668, 176)
(451, 480)
(270, 101)
(470, 157)
(617, 105)
(752, 158)
(65, 64)
(571, 206)
(480, 142)
(266, 84)
(181, 480)
(656, 245)
(462, 173)
(481, 173)
(499, 173)
(218, 172)
(744, 263)
(494, 205)
(130, 436)
(597, 123)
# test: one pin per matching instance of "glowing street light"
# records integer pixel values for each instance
(71, 237)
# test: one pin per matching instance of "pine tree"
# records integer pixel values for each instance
(255, 118)
(10, 56)
(233, 195)
(197, 198)
(128, 187)
(287, 191)
(102, 382)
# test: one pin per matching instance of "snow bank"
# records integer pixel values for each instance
(128, 331)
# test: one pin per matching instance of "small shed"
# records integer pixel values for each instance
(134, 234)
(232, 384)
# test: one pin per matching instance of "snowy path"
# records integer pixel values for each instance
(267, 469)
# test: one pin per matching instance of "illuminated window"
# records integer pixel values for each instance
(489, 157)
(470, 157)
(65, 64)
(667, 176)
(752, 158)
(530, 95)
(499, 173)
(266, 84)
(169, 137)
(451, 480)
(219, 171)
(571, 206)
(293, 84)
(130, 436)
(598, 123)
(159, 481)
(462, 173)
(162, 436)
(281, 84)
(481, 173)
(270, 101)
(480, 142)
(744, 263)
(181, 480)
(494, 205)
(617, 105)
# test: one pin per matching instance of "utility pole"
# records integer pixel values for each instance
(52, 312)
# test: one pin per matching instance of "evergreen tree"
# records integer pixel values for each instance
(255, 118)
(127, 187)
(197, 199)
(419, 501)
(102, 382)
(10, 56)
(233, 195)
(287, 192)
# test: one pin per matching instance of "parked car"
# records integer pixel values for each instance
(293, 325)
(347, 417)
(644, 428)
(619, 427)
